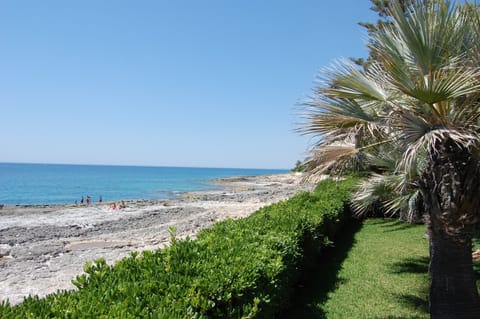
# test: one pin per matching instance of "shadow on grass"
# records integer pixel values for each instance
(323, 278)
(412, 265)
(394, 225)
(414, 302)
(418, 265)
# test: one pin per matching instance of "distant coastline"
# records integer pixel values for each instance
(47, 184)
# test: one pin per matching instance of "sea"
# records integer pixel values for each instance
(42, 184)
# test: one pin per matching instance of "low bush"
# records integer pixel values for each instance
(237, 269)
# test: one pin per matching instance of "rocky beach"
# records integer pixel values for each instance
(42, 248)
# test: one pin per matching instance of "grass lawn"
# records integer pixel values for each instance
(377, 270)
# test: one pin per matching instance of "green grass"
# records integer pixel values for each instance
(376, 270)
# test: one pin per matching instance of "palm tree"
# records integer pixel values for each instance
(414, 115)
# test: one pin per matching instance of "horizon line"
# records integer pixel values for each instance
(153, 166)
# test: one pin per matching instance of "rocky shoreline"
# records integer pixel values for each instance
(42, 248)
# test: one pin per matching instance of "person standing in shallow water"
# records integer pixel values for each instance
(88, 200)
(81, 201)
(100, 199)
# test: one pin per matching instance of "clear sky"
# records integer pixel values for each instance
(211, 83)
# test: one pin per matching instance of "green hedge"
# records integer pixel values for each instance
(236, 269)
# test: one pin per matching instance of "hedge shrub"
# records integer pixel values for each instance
(245, 268)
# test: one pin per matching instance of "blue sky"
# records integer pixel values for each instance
(213, 83)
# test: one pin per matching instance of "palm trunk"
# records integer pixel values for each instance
(453, 292)
(450, 189)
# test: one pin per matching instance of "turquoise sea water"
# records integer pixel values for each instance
(65, 184)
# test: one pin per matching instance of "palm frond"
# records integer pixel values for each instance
(383, 157)
(407, 205)
(411, 125)
(345, 81)
(337, 116)
(428, 142)
(323, 158)
(445, 85)
(370, 194)
(471, 38)
(465, 112)
(382, 193)
(424, 54)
